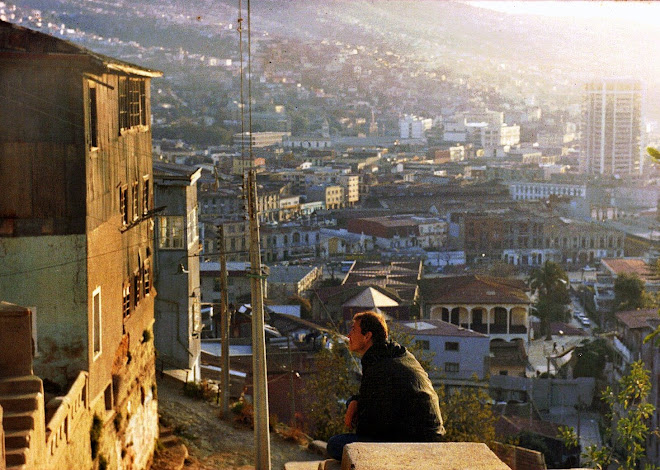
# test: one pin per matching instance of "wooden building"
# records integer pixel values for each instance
(76, 231)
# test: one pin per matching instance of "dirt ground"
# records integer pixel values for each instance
(214, 443)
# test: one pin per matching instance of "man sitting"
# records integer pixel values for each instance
(397, 402)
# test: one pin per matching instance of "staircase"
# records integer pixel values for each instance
(22, 401)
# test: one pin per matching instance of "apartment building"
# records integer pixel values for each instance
(612, 128)
(76, 222)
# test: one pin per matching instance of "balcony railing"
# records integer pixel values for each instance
(61, 424)
(498, 329)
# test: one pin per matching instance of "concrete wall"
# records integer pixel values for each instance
(546, 393)
(471, 355)
(49, 274)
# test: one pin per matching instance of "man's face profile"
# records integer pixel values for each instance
(357, 342)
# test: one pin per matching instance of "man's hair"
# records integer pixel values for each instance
(373, 322)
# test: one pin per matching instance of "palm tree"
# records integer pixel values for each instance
(550, 283)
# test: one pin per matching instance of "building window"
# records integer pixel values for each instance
(451, 367)
(146, 200)
(93, 119)
(193, 235)
(132, 99)
(137, 288)
(451, 346)
(170, 232)
(135, 198)
(423, 344)
(146, 275)
(96, 322)
(123, 204)
(126, 298)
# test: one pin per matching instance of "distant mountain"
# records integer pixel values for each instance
(552, 54)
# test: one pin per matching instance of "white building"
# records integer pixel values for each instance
(413, 127)
(532, 191)
(612, 128)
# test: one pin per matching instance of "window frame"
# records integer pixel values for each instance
(453, 346)
(127, 305)
(92, 118)
(452, 367)
(146, 194)
(97, 327)
(132, 103)
(168, 237)
(123, 204)
(135, 199)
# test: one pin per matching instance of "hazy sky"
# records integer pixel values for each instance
(642, 12)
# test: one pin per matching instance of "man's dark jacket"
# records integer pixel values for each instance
(397, 401)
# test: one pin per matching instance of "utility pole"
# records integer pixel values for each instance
(224, 322)
(259, 376)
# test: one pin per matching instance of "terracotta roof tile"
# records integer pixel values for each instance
(473, 289)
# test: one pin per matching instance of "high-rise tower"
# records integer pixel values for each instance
(612, 128)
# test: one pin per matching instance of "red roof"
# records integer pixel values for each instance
(474, 289)
(628, 266)
(635, 319)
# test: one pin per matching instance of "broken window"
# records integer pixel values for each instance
(132, 101)
(123, 204)
(146, 200)
(135, 198)
(126, 296)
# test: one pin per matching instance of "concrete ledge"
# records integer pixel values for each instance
(313, 465)
(418, 456)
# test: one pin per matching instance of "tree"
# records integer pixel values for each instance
(305, 305)
(468, 415)
(329, 389)
(629, 292)
(550, 283)
(628, 416)
(591, 358)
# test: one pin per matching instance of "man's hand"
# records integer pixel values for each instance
(351, 414)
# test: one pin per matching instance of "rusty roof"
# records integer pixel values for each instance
(628, 266)
(636, 319)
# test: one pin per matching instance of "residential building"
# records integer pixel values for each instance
(525, 238)
(396, 281)
(633, 267)
(534, 191)
(285, 281)
(309, 142)
(400, 231)
(76, 222)
(291, 241)
(178, 325)
(238, 282)
(331, 196)
(413, 127)
(259, 139)
(494, 306)
(612, 128)
(459, 354)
